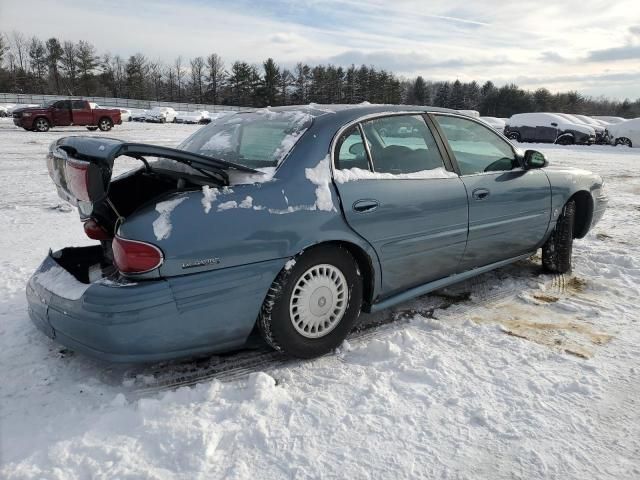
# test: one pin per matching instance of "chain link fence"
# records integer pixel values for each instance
(19, 98)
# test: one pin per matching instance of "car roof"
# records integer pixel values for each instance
(348, 112)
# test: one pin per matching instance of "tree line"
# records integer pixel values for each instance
(52, 66)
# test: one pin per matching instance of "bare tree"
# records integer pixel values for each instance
(215, 76)
(155, 72)
(197, 77)
(179, 74)
(4, 47)
(20, 48)
(70, 65)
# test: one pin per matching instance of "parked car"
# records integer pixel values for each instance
(547, 128)
(63, 113)
(125, 114)
(199, 116)
(494, 122)
(251, 223)
(626, 133)
(161, 115)
(602, 136)
(4, 111)
(139, 116)
(610, 119)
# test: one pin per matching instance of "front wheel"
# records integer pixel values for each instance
(557, 251)
(513, 136)
(105, 124)
(41, 125)
(311, 307)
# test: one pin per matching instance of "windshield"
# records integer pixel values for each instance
(257, 139)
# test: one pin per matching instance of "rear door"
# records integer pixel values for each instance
(81, 113)
(509, 207)
(61, 114)
(399, 194)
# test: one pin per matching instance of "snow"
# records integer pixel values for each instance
(221, 141)
(628, 129)
(227, 205)
(290, 264)
(543, 119)
(320, 175)
(162, 225)
(355, 174)
(57, 280)
(527, 376)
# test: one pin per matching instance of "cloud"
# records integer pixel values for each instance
(628, 52)
(553, 57)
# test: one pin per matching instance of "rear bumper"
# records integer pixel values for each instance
(156, 320)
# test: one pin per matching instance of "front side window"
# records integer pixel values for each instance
(350, 150)
(477, 149)
(77, 105)
(401, 144)
(63, 104)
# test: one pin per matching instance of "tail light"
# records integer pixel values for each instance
(132, 256)
(77, 176)
(95, 231)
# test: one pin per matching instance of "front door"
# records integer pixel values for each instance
(397, 193)
(509, 207)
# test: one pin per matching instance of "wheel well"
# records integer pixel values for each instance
(364, 266)
(584, 213)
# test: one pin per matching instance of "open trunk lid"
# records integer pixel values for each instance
(81, 167)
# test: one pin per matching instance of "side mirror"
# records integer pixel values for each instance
(534, 159)
(357, 149)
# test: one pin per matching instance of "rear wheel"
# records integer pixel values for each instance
(557, 251)
(623, 141)
(566, 139)
(41, 125)
(310, 308)
(105, 124)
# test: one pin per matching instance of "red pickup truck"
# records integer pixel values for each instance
(62, 113)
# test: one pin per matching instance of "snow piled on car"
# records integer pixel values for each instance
(355, 174)
(482, 389)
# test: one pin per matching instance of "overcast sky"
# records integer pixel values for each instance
(585, 45)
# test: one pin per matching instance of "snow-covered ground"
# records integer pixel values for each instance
(522, 376)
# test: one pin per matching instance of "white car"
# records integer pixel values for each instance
(601, 132)
(4, 111)
(626, 133)
(494, 122)
(125, 114)
(610, 119)
(198, 116)
(161, 115)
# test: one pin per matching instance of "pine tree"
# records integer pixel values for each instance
(442, 97)
(54, 57)
(271, 81)
(456, 97)
(38, 61)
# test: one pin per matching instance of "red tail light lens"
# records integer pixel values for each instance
(77, 176)
(95, 231)
(132, 256)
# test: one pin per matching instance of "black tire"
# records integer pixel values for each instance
(623, 141)
(513, 136)
(558, 249)
(565, 140)
(92, 129)
(41, 124)
(105, 124)
(275, 322)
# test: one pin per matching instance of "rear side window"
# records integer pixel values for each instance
(477, 148)
(402, 144)
(351, 151)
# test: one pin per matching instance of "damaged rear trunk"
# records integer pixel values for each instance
(82, 168)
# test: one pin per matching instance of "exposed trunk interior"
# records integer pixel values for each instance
(86, 264)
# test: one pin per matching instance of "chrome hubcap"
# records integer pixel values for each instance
(318, 301)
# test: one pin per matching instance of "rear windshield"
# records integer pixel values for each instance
(258, 139)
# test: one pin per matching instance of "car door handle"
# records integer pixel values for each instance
(363, 206)
(481, 193)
